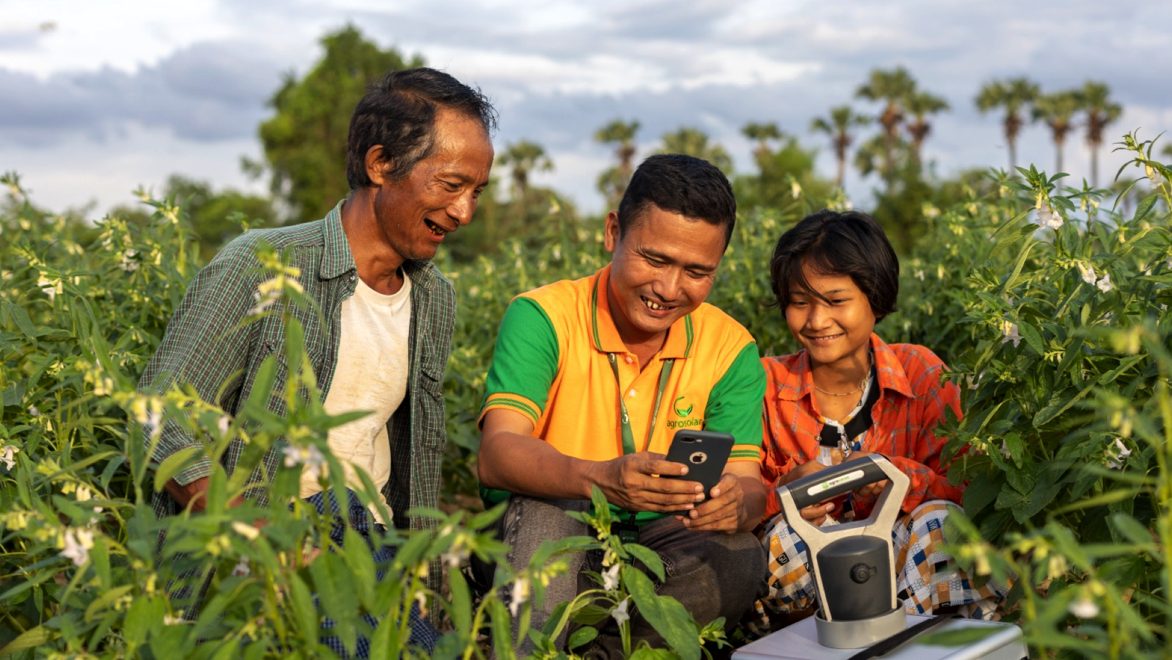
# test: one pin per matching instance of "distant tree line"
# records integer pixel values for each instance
(304, 152)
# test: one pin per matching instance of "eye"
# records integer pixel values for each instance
(798, 303)
(450, 186)
(698, 274)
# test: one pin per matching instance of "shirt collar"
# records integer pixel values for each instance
(605, 335)
(799, 382)
(337, 259)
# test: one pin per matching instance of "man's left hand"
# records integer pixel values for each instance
(722, 511)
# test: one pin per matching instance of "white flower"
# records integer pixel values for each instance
(8, 456)
(622, 612)
(919, 274)
(1009, 333)
(1049, 218)
(169, 620)
(610, 578)
(77, 542)
(795, 189)
(1084, 608)
(1117, 454)
(244, 529)
(519, 596)
(50, 287)
(242, 569)
(222, 424)
(1086, 272)
(309, 456)
(1005, 450)
(1104, 283)
(129, 261)
(34, 411)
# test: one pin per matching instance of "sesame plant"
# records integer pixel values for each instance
(88, 570)
(1051, 309)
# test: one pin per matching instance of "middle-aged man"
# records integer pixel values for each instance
(590, 379)
(418, 156)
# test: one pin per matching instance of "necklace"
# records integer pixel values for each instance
(858, 388)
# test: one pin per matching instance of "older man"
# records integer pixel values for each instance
(418, 156)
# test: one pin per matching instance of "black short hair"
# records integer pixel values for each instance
(689, 186)
(398, 112)
(848, 243)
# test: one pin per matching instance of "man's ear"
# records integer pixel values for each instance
(610, 233)
(377, 168)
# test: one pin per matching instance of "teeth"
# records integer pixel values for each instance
(435, 229)
(653, 305)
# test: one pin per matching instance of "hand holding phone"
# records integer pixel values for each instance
(704, 452)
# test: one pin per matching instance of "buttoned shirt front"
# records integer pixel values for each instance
(911, 404)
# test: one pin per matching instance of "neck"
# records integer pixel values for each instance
(843, 376)
(378, 266)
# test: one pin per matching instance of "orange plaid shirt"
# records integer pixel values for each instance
(911, 403)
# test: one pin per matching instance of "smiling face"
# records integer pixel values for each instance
(835, 329)
(439, 195)
(661, 270)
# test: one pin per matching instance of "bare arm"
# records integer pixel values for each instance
(512, 459)
(194, 493)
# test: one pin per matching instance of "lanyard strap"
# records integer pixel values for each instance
(625, 418)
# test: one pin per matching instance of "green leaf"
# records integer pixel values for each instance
(31, 638)
(648, 558)
(582, 636)
(461, 611)
(1030, 334)
(172, 465)
(1132, 530)
(666, 614)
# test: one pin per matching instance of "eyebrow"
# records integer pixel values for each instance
(655, 254)
(803, 292)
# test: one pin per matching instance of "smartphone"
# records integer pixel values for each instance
(704, 452)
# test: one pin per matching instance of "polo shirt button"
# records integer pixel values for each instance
(353, 277)
(629, 359)
(632, 392)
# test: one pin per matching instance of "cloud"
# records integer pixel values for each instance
(206, 92)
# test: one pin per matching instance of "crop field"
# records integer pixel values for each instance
(1050, 304)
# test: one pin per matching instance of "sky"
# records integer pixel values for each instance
(98, 99)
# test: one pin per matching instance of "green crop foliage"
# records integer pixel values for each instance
(1049, 302)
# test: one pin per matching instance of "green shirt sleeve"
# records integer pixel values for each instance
(524, 362)
(735, 404)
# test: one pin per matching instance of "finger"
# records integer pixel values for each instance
(723, 519)
(727, 484)
(665, 468)
(817, 511)
(715, 510)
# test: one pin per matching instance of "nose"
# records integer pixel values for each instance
(818, 317)
(667, 284)
(463, 207)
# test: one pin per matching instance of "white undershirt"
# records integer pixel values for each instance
(370, 375)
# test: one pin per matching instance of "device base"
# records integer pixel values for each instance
(861, 632)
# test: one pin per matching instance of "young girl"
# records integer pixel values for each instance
(848, 394)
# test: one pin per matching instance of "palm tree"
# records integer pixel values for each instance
(1100, 111)
(524, 157)
(762, 134)
(1015, 95)
(892, 88)
(1057, 111)
(842, 119)
(920, 105)
(694, 142)
(613, 182)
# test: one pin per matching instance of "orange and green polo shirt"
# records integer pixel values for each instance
(552, 365)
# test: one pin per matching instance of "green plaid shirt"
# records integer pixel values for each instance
(207, 347)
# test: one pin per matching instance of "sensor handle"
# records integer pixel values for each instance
(835, 480)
